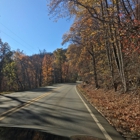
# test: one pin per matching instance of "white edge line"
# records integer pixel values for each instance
(95, 119)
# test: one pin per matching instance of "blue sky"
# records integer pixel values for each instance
(25, 25)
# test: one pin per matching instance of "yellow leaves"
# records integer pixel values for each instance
(114, 1)
(87, 2)
(98, 10)
(93, 33)
(111, 40)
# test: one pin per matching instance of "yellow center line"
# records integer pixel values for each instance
(17, 108)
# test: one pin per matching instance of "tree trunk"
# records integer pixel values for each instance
(92, 53)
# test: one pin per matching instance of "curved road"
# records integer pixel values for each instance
(58, 109)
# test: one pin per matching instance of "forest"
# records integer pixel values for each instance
(19, 72)
(104, 40)
(104, 49)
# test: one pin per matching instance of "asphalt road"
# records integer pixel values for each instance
(57, 109)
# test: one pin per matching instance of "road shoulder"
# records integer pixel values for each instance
(103, 121)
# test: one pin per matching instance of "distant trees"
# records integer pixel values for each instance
(6, 64)
(47, 69)
(59, 59)
(21, 72)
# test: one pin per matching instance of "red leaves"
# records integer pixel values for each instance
(120, 15)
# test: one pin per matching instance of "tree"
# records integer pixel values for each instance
(59, 59)
(47, 69)
(5, 57)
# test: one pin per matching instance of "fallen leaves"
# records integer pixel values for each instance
(121, 110)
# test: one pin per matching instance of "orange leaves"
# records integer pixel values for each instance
(47, 69)
(71, 29)
(121, 110)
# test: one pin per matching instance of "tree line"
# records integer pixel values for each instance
(20, 72)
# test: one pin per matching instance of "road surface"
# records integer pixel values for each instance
(58, 109)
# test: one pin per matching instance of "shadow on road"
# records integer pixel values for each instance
(42, 90)
(53, 114)
(12, 98)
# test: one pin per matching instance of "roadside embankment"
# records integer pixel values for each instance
(121, 110)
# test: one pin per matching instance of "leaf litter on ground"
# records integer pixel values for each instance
(121, 110)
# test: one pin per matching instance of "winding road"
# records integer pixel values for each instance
(57, 109)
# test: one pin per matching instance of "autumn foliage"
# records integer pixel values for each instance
(19, 72)
(121, 110)
(103, 51)
(108, 33)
